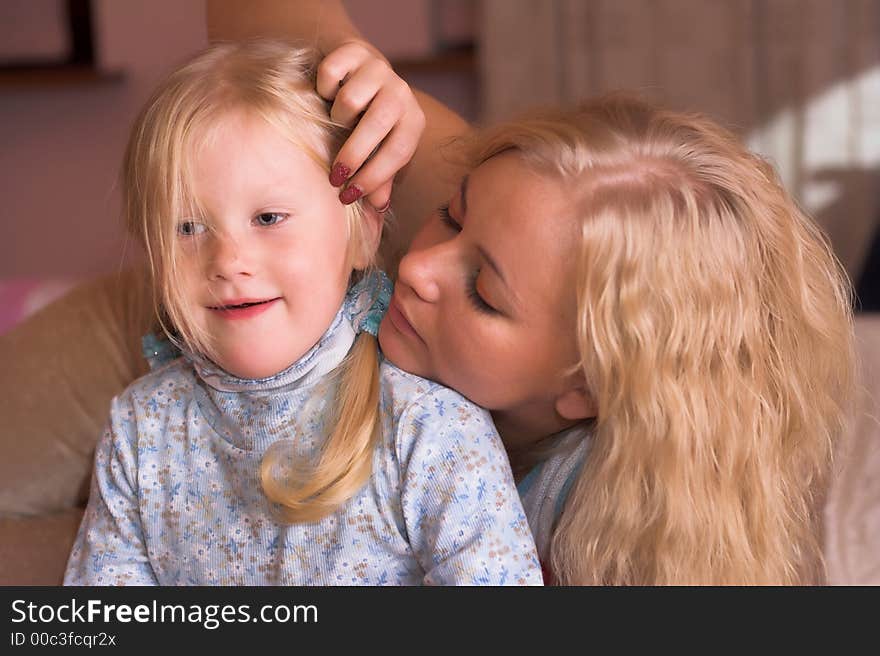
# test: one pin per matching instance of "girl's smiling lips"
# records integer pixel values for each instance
(399, 321)
(243, 308)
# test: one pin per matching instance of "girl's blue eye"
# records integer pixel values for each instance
(447, 219)
(190, 228)
(478, 301)
(269, 218)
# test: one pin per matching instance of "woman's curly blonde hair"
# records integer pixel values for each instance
(715, 335)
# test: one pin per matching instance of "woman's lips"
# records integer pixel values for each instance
(399, 320)
(243, 309)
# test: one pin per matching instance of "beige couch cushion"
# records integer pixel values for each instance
(34, 550)
(53, 408)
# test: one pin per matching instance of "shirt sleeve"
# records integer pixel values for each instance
(110, 547)
(463, 516)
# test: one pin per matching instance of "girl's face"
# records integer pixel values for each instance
(485, 298)
(264, 264)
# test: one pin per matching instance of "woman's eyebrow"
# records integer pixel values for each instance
(493, 264)
(482, 251)
(513, 298)
(463, 194)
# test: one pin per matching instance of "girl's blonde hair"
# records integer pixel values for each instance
(715, 334)
(275, 82)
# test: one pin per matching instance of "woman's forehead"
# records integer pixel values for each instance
(527, 222)
(509, 181)
(509, 197)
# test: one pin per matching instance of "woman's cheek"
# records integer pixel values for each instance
(473, 355)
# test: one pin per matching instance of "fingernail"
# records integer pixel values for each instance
(384, 208)
(350, 194)
(339, 174)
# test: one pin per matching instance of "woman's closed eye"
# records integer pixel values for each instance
(473, 294)
(268, 219)
(447, 219)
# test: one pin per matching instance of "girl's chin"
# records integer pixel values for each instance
(252, 373)
(250, 366)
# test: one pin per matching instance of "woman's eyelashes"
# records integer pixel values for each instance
(478, 301)
(447, 219)
(471, 285)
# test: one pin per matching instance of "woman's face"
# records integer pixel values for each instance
(485, 298)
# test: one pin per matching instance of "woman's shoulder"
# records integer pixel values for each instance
(544, 490)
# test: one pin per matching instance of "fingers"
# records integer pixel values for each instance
(341, 64)
(388, 121)
(396, 127)
(360, 88)
(393, 154)
(390, 125)
(381, 198)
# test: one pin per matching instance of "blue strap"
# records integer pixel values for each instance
(368, 301)
(158, 350)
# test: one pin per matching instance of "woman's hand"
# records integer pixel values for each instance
(369, 95)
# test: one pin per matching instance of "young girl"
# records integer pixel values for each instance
(279, 449)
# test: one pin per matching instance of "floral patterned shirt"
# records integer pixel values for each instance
(176, 497)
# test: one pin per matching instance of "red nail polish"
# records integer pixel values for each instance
(350, 194)
(339, 174)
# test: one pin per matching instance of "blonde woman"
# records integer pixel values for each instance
(664, 340)
(279, 448)
(673, 336)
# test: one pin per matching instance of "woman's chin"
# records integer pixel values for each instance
(397, 352)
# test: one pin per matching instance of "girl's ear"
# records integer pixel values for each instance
(575, 404)
(372, 231)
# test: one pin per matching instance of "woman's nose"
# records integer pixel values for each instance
(423, 270)
(226, 259)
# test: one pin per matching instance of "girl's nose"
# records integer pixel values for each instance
(226, 259)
